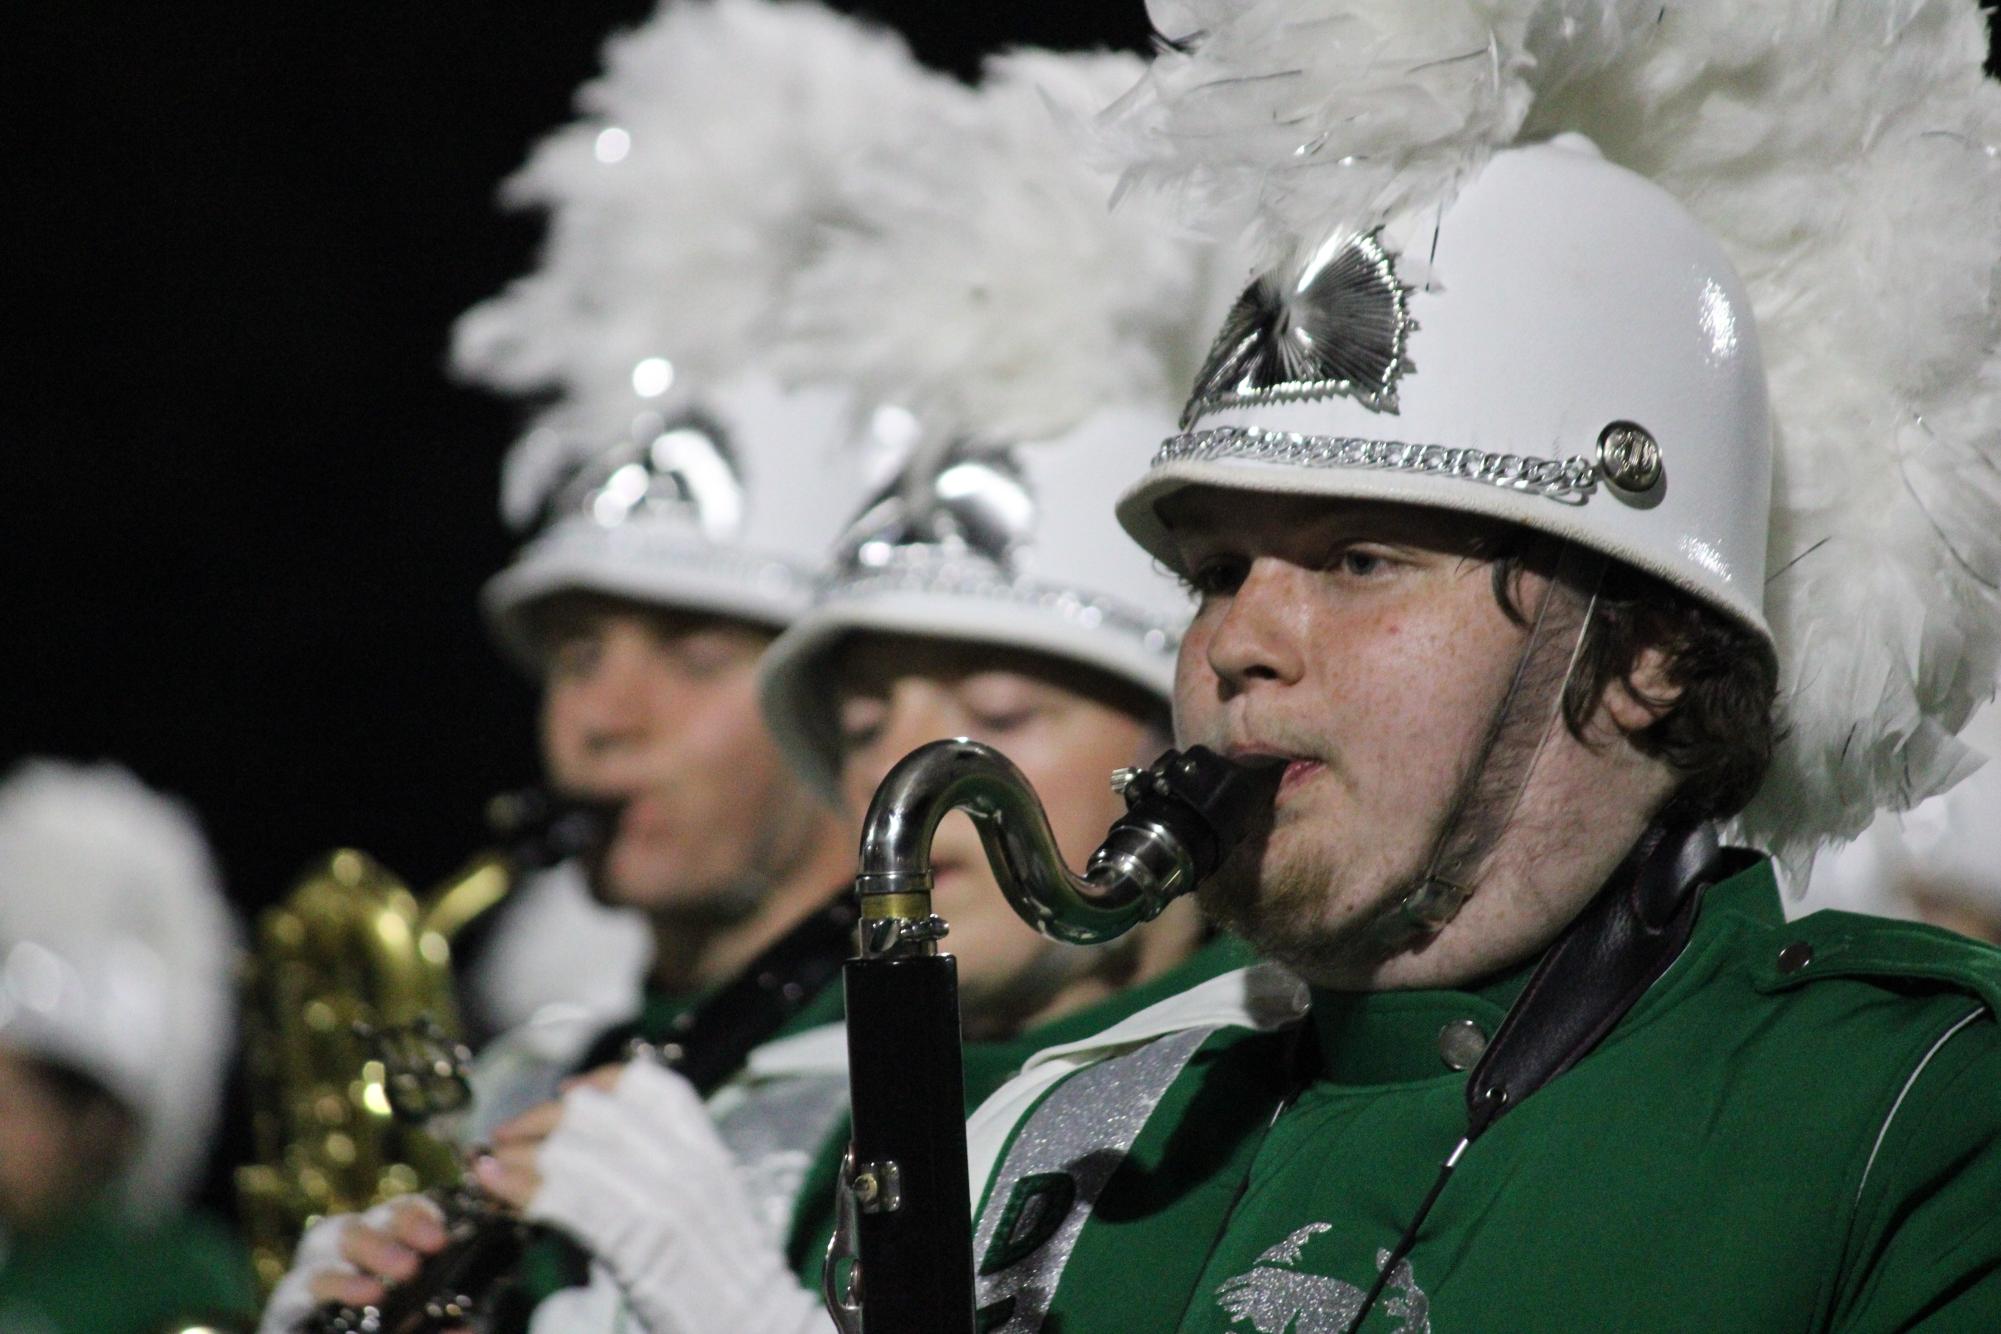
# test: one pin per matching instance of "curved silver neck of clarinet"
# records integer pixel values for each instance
(1183, 813)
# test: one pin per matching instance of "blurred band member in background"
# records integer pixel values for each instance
(1017, 335)
(115, 1025)
(678, 501)
(974, 290)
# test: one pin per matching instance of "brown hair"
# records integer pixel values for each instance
(1717, 725)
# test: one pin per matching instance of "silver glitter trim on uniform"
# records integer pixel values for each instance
(1570, 481)
(932, 570)
(1084, 1129)
(645, 545)
(775, 1133)
(1339, 327)
(1278, 1299)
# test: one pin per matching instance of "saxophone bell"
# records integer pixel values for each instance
(351, 1025)
(427, 1077)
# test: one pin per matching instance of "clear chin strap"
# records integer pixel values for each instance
(1527, 717)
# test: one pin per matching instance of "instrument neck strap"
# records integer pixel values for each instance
(710, 1041)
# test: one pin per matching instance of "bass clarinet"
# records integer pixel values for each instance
(901, 1261)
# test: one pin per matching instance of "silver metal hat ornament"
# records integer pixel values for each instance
(966, 521)
(679, 467)
(966, 502)
(1340, 325)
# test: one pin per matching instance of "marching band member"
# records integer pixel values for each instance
(977, 288)
(115, 1025)
(677, 502)
(1608, 449)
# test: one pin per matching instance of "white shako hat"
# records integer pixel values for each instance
(1033, 344)
(1602, 268)
(667, 464)
(116, 950)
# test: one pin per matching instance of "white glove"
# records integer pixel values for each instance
(641, 1179)
(292, 1301)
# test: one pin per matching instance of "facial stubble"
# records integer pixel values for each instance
(1282, 910)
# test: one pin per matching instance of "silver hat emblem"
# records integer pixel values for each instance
(1340, 326)
(964, 500)
(680, 468)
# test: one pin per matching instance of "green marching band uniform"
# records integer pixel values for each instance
(99, 1271)
(1839, 1070)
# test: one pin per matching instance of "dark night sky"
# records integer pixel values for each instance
(246, 511)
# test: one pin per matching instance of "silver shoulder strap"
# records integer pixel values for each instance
(1058, 1166)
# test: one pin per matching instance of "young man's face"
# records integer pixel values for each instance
(1363, 642)
(1065, 728)
(657, 709)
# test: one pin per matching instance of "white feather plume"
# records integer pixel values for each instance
(117, 946)
(979, 280)
(1276, 115)
(1848, 158)
(679, 205)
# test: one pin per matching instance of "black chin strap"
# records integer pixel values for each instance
(1602, 964)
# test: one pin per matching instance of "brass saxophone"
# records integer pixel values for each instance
(901, 1261)
(350, 1021)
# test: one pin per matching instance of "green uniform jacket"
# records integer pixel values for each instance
(1797, 1128)
(99, 1272)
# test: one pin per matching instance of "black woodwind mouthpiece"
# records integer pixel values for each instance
(1206, 801)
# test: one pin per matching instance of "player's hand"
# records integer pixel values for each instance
(352, 1259)
(381, 1256)
(509, 1169)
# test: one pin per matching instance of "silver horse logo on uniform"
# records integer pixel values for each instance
(1277, 1299)
(964, 500)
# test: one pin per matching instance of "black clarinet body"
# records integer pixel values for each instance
(906, 1170)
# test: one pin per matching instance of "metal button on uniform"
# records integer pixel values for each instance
(1461, 1044)
(1795, 957)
